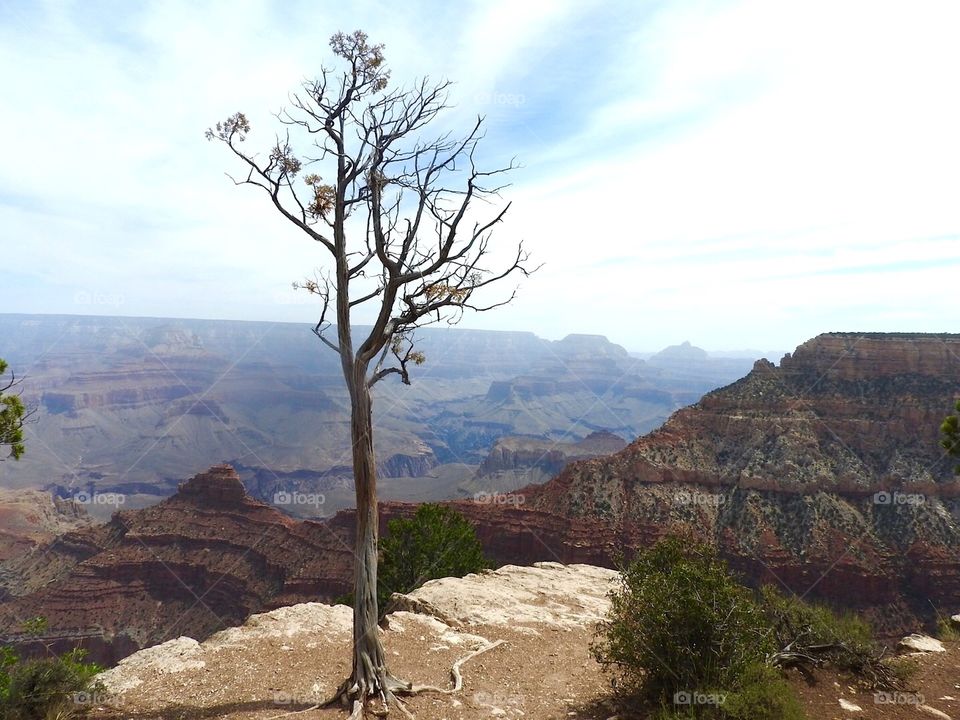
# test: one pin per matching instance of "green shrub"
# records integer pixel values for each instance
(763, 693)
(685, 640)
(436, 542)
(56, 686)
(679, 623)
(50, 687)
(795, 620)
(842, 641)
(8, 658)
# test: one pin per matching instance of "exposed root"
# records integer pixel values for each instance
(454, 673)
(294, 712)
(358, 694)
(403, 708)
(357, 713)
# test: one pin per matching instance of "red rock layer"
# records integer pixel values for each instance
(201, 560)
(779, 470)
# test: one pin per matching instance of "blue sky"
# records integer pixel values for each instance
(739, 174)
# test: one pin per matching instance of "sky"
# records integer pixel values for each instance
(737, 174)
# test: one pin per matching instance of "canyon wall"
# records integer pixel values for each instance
(823, 476)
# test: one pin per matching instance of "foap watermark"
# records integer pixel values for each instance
(88, 698)
(283, 497)
(895, 497)
(97, 498)
(698, 498)
(694, 697)
(284, 698)
(96, 297)
(496, 699)
(493, 498)
(898, 698)
(500, 98)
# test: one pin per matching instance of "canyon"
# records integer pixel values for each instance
(134, 405)
(823, 476)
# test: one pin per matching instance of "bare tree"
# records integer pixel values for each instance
(397, 219)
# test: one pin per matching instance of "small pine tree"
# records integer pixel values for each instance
(55, 686)
(12, 414)
(436, 542)
(951, 435)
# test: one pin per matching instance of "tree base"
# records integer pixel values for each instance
(381, 693)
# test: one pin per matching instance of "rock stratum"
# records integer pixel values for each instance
(516, 461)
(823, 475)
(203, 559)
(30, 519)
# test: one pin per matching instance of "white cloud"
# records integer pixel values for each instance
(730, 175)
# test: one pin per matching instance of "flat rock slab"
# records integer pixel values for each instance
(545, 594)
(185, 653)
(922, 643)
(849, 706)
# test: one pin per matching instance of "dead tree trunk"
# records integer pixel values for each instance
(369, 664)
(369, 679)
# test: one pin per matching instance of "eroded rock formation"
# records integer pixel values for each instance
(518, 460)
(823, 475)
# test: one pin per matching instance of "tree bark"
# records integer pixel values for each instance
(369, 664)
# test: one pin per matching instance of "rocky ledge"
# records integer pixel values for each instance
(521, 636)
(513, 624)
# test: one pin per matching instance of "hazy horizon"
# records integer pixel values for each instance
(461, 326)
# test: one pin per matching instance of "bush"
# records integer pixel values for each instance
(50, 687)
(436, 542)
(763, 693)
(679, 624)
(8, 658)
(687, 641)
(842, 641)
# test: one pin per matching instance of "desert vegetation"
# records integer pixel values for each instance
(54, 686)
(685, 639)
(12, 414)
(436, 542)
